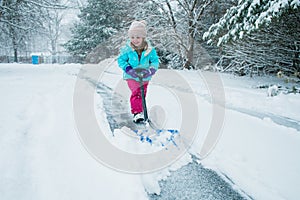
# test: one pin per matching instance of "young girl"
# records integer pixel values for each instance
(137, 53)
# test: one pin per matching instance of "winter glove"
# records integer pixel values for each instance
(129, 70)
(148, 73)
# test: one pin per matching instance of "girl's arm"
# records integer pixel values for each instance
(123, 60)
(154, 59)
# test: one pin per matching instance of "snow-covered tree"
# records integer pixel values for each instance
(21, 18)
(52, 29)
(246, 17)
(57, 25)
(270, 49)
(176, 28)
(99, 20)
(185, 22)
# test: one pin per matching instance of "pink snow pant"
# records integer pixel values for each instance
(136, 95)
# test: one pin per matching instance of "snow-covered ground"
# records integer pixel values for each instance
(43, 156)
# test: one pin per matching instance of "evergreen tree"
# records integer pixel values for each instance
(246, 17)
(99, 20)
(270, 49)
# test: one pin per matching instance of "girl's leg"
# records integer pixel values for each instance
(136, 96)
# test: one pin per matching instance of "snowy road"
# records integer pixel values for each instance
(42, 156)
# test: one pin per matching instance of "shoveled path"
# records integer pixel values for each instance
(191, 182)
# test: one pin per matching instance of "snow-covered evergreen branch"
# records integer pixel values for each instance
(273, 48)
(246, 17)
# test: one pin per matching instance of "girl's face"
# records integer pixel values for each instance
(136, 41)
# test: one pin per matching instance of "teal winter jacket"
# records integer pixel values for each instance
(128, 56)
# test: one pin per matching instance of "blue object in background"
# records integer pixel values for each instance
(35, 59)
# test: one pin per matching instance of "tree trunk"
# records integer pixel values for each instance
(54, 52)
(15, 55)
(191, 40)
(14, 42)
(190, 54)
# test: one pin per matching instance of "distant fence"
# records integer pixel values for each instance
(10, 59)
(60, 59)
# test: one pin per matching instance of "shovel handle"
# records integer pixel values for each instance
(140, 74)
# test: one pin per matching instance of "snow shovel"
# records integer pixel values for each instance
(172, 133)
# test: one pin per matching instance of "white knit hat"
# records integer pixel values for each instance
(137, 28)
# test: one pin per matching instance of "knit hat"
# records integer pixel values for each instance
(137, 28)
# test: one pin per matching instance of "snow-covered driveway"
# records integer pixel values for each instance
(42, 156)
